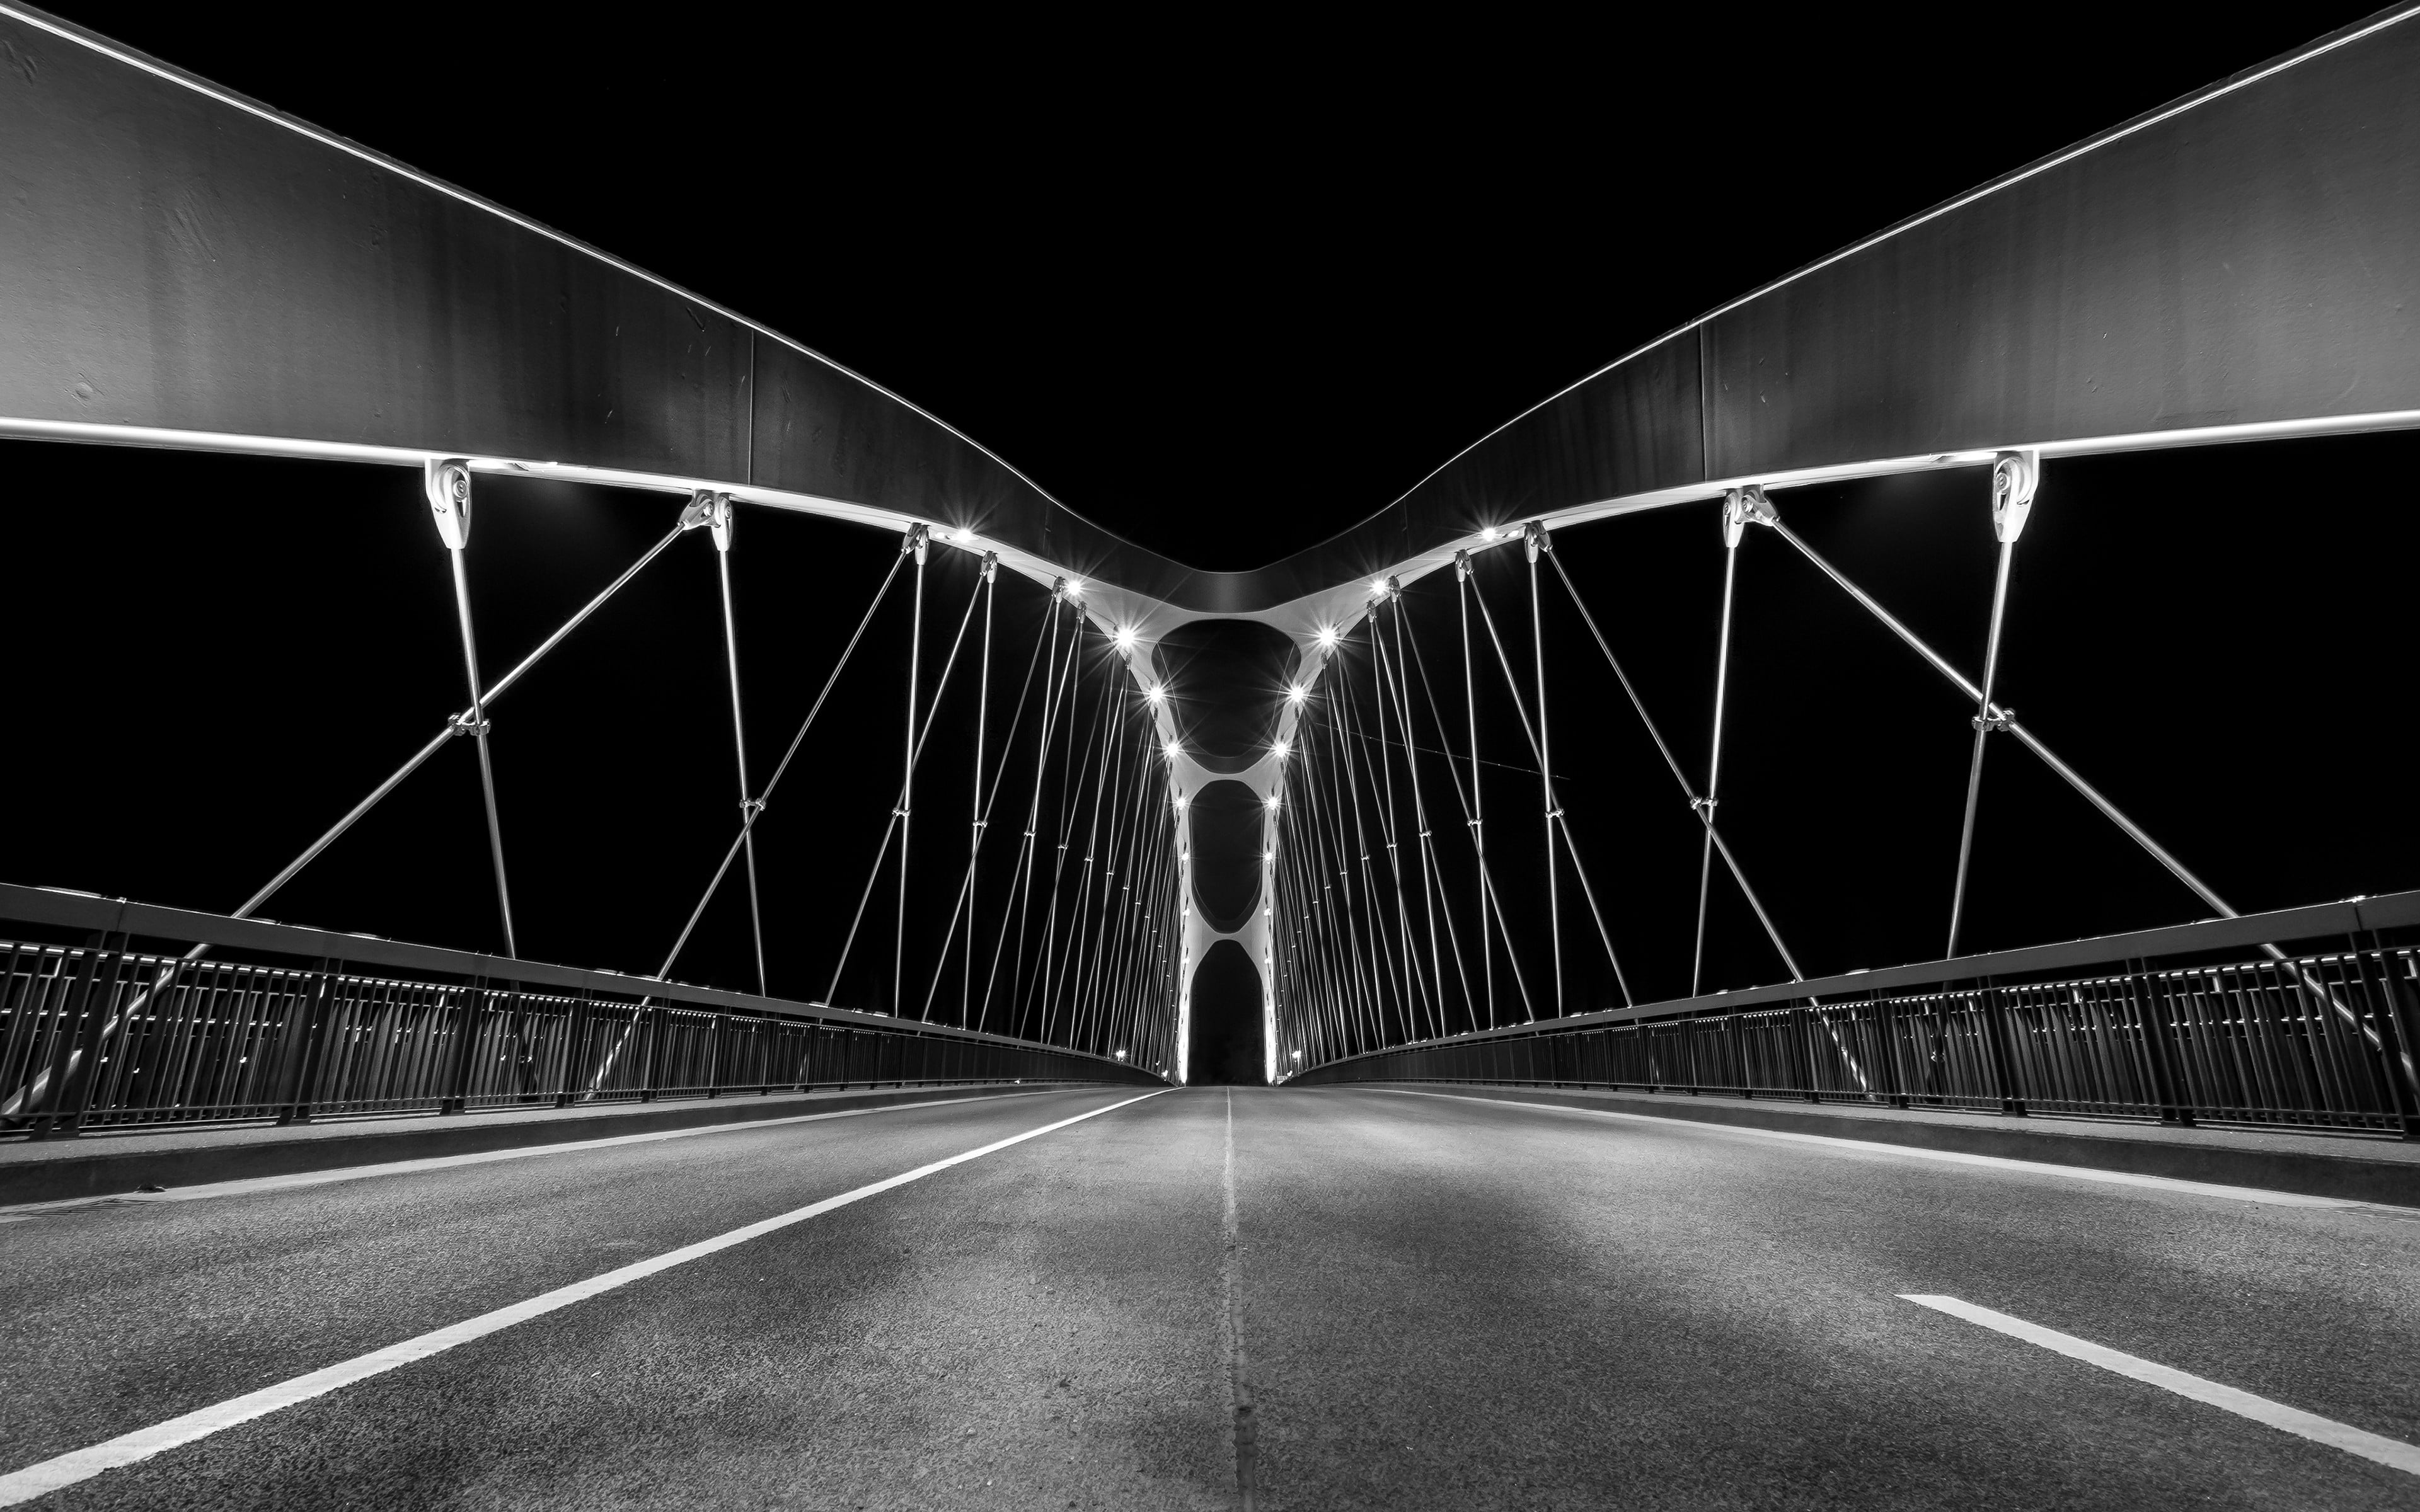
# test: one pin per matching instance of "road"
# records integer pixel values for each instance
(1355, 1298)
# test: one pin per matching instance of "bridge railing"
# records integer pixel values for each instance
(2184, 1025)
(278, 1022)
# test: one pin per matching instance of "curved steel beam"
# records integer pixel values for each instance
(183, 266)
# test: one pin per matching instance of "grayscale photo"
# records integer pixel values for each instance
(888, 760)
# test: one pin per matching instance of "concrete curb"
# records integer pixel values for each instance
(2319, 1173)
(124, 1164)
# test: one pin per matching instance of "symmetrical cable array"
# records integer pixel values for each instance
(1388, 930)
(1072, 937)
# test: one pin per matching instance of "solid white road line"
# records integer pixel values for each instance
(2390, 1452)
(82, 1464)
(246, 1185)
(2001, 1162)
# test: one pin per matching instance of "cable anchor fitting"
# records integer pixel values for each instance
(1461, 565)
(712, 510)
(447, 483)
(1535, 540)
(2014, 478)
(917, 538)
(1743, 505)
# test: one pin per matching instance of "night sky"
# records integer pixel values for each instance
(1223, 285)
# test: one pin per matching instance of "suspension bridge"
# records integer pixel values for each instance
(1342, 1034)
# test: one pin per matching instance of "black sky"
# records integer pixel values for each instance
(1224, 285)
(1222, 282)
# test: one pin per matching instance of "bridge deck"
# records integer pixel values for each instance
(1440, 1302)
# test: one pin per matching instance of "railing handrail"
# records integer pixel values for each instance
(2394, 910)
(63, 909)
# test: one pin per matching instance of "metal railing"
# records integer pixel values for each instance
(2319, 1038)
(110, 1034)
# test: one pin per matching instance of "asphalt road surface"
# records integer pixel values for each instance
(1295, 1299)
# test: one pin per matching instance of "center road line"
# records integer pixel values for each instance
(82, 1464)
(1239, 1387)
(2393, 1453)
(1998, 1163)
(244, 1186)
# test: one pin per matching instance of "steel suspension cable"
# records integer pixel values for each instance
(979, 816)
(2003, 720)
(1080, 960)
(1704, 813)
(749, 817)
(1489, 903)
(1556, 818)
(1124, 832)
(1392, 973)
(1053, 689)
(1390, 822)
(1714, 758)
(1118, 967)
(459, 724)
(454, 727)
(724, 528)
(1384, 669)
(1349, 850)
(1547, 805)
(1431, 884)
(965, 907)
(916, 543)
(1142, 894)
(1070, 795)
(1311, 967)
(1475, 811)
(1329, 923)
(897, 824)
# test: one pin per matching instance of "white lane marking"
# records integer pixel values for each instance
(2002, 1163)
(248, 1184)
(126, 1449)
(2393, 1453)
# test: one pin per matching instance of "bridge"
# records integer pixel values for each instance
(1582, 989)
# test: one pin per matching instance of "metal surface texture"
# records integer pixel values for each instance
(104, 1034)
(179, 266)
(2253, 1042)
(2317, 1039)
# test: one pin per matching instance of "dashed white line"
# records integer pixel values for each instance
(2001, 1162)
(126, 1449)
(2393, 1453)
